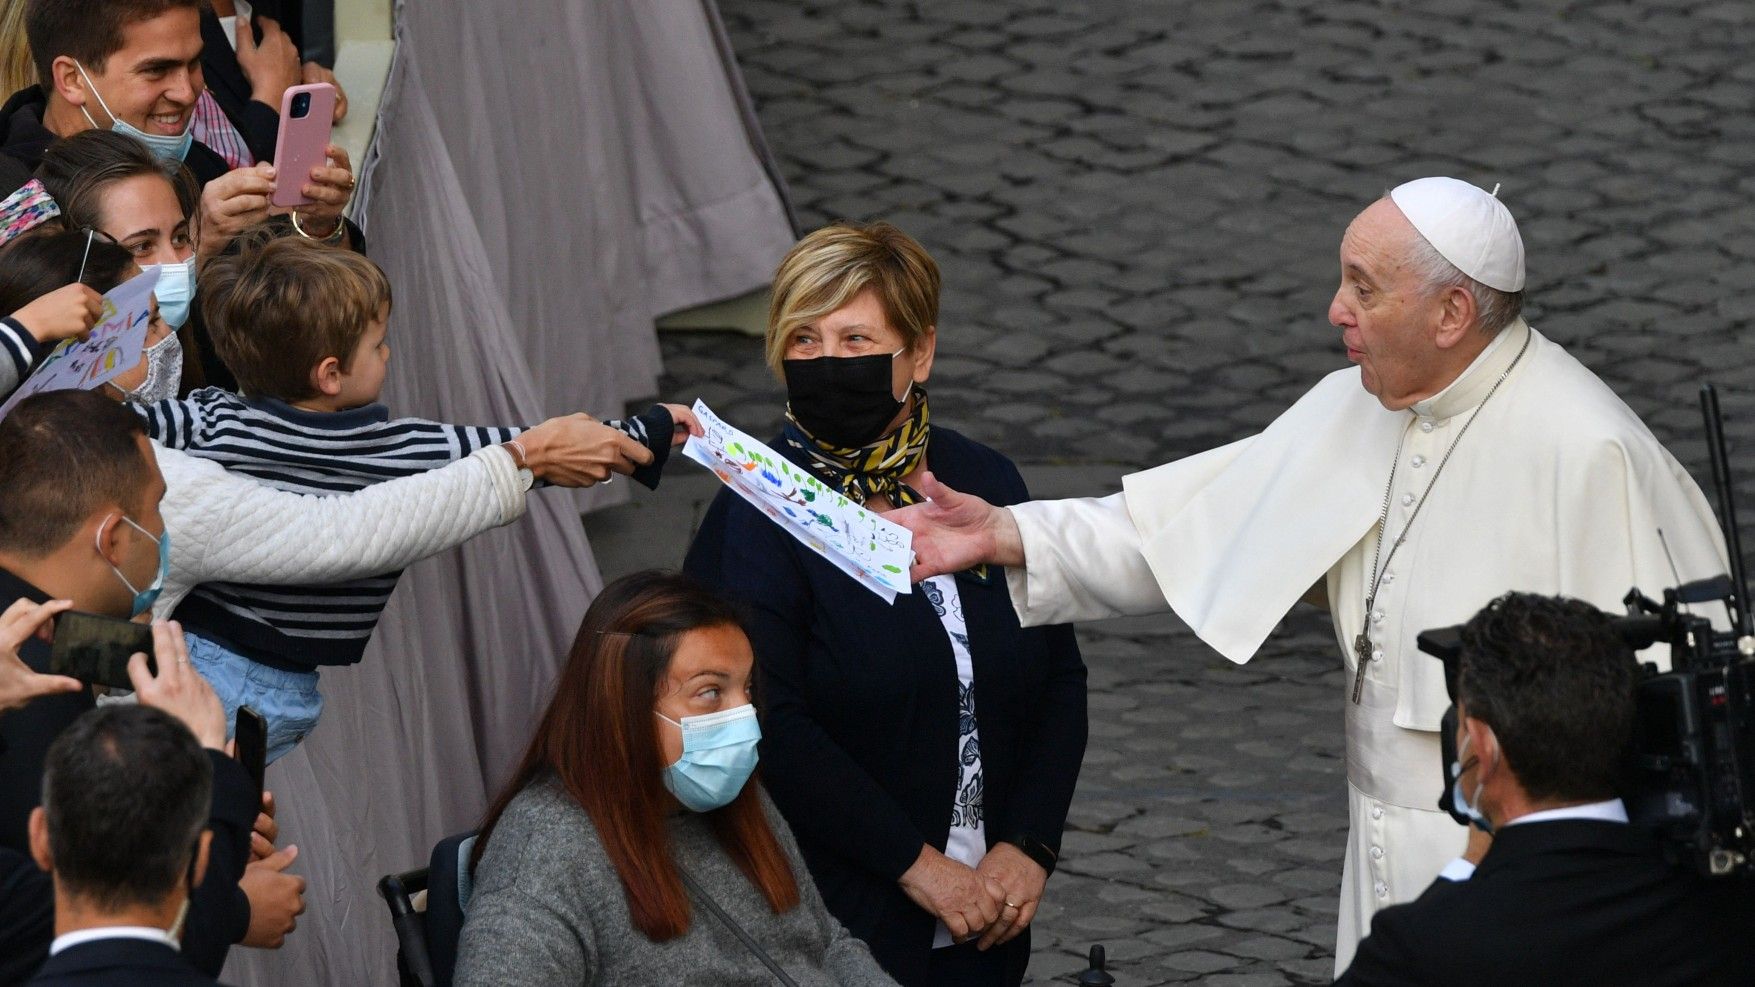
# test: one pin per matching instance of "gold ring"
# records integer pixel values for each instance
(1011, 904)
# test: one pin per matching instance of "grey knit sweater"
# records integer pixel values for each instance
(549, 909)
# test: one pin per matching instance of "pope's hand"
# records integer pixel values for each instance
(953, 531)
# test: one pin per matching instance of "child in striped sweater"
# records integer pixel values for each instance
(303, 327)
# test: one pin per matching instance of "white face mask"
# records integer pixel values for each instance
(162, 147)
(164, 372)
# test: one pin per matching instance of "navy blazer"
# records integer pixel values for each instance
(1570, 901)
(120, 963)
(859, 698)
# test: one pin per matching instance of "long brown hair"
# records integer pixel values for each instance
(599, 740)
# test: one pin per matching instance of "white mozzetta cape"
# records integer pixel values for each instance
(1557, 488)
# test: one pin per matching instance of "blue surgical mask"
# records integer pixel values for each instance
(144, 598)
(175, 290)
(163, 148)
(1467, 807)
(719, 754)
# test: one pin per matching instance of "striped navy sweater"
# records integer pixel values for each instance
(323, 453)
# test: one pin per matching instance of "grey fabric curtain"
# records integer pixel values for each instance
(546, 179)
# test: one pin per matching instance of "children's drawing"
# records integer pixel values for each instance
(112, 348)
(873, 551)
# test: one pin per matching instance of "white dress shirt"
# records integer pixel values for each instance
(1612, 810)
(81, 937)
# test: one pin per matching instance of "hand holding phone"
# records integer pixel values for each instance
(177, 688)
(20, 683)
(307, 113)
(95, 649)
(251, 736)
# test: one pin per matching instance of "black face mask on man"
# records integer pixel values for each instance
(844, 401)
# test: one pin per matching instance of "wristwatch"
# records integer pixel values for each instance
(1036, 850)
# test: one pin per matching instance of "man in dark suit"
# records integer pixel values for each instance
(1567, 892)
(123, 833)
(79, 521)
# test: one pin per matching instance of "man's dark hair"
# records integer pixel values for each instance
(127, 791)
(34, 266)
(88, 30)
(64, 455)
(1555, 682)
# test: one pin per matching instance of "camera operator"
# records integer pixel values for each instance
(1567, 892)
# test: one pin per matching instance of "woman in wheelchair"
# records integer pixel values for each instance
(633, 845)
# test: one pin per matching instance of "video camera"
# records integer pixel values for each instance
(1691, 774)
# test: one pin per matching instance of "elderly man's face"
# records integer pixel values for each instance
(1388, 320)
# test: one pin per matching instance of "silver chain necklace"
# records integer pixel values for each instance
(1362, 643)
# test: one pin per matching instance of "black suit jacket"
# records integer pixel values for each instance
(27, 916)
(1566, 902)
(860, 727)
(219, 912)
(120, 963)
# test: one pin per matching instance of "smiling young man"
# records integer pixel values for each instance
(127, 65)
(1466, 454)
(134, 66)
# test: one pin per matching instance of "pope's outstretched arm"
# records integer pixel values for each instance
(1066, 560)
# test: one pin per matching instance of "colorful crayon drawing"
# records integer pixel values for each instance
(112, 348)
(858, 542)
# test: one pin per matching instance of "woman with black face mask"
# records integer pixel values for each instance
(924, 752)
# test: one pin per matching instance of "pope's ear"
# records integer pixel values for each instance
(1456, 316)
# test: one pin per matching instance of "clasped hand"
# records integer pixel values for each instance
(994, 900)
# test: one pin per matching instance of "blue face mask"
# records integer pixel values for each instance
(719, 754)
(144, 598)
(1467, 807)
(163, 148)
(175, 290)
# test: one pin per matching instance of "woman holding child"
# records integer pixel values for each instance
(924, 752)
(236, 531)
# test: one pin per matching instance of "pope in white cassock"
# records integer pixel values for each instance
(1466, 455)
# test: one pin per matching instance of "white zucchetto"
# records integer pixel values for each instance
(1469, 227)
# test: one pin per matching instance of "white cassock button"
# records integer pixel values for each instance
(1389, 577)
(1377, 812)
(1377, 655)
(1419, 461)
(1381, 888)
(1407, 500)
(1376, 853)
(1377, 618)
(1426, 426)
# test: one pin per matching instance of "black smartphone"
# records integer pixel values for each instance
(96, 649)
(251, 735)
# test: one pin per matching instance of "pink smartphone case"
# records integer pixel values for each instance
(302, 144)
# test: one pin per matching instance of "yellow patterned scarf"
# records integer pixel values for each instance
(874, 470)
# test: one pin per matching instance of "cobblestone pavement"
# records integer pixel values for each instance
(1137, 205)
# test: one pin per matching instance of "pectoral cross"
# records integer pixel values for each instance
(1362, 651)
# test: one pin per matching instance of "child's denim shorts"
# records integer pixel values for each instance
(288, 701)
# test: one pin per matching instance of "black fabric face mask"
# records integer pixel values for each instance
(844, 401)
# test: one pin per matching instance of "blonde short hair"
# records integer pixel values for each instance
(823, 272)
